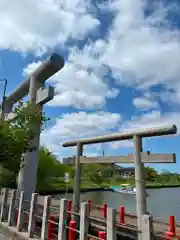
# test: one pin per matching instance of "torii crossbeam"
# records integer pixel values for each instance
(146, 158)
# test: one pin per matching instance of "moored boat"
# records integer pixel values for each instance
(125, 189)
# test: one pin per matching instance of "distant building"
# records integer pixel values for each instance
(69, 160)
(127, 172)
(124, 172)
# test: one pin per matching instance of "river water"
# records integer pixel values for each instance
(161, 202)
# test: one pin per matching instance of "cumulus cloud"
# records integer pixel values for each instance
(144, 103)
(152, 119)
(121, 144)
(78, 125)
(143, 52)
(77, 87)
(139, 50)
(38, 27)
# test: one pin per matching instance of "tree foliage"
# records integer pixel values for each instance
(50, 171)
(16, 135)
(150, 174)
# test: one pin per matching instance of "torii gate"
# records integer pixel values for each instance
(33, 86)
(137, 136)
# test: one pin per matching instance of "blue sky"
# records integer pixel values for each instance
(121, 68)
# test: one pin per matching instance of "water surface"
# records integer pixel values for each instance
(162, 202)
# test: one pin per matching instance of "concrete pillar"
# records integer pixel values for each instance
(12, 210)
(4, 209)
(111, 224)
(62, 232)
(140, 184)
(84, 221)
(77, 181)
(20, 212)
(147, 227)
(29, 168)
(28, 173)
(46, 213)
(31, 223)
(7, 109)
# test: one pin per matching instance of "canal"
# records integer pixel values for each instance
(161, 202)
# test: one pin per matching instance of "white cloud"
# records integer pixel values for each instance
(78, 125)
(84, 124)
(137, 49)
(121, 144)
(76, 86)
(142, 50)
(152, 119)
(141, 53)
(144, 103)
(37, 27)
(30, 68)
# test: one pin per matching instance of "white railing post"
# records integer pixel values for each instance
(20, 212)
(12, 210)
(4, 204)
(147, 226)
(46, 213)
(63, 219)
(111, 224)
(32, 222)
(84, 221)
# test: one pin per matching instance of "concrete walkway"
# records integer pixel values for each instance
(2, 237)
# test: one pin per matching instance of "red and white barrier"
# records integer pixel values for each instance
(102, 235)
(51, 227)
(72, 228)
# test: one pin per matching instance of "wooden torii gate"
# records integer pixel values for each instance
(139, 158)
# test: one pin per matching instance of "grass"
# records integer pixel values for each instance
(161, 185)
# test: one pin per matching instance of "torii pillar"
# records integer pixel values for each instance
(33, 85)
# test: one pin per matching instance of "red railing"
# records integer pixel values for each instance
(51, 227)
(171, 224)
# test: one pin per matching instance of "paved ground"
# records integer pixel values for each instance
(2, 237)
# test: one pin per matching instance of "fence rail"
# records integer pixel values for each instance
(51, 222)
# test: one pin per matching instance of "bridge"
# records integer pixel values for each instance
(46, 218)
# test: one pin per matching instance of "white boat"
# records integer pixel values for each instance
(125, 189)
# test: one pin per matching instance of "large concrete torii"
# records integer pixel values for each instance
(33, 86)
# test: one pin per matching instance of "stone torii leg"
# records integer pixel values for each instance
(33, 85)
(28, 173)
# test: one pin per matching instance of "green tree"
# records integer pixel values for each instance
(166, 177)
(7, 178)
(93, 173)
(16, 135)
(150, 174)
(50, 171)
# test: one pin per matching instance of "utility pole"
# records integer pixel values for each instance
(3, 98)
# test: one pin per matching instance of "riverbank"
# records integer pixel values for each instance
(70, 190)
(87, 186)
(150, 185)
(160, 185)
(101, 188)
